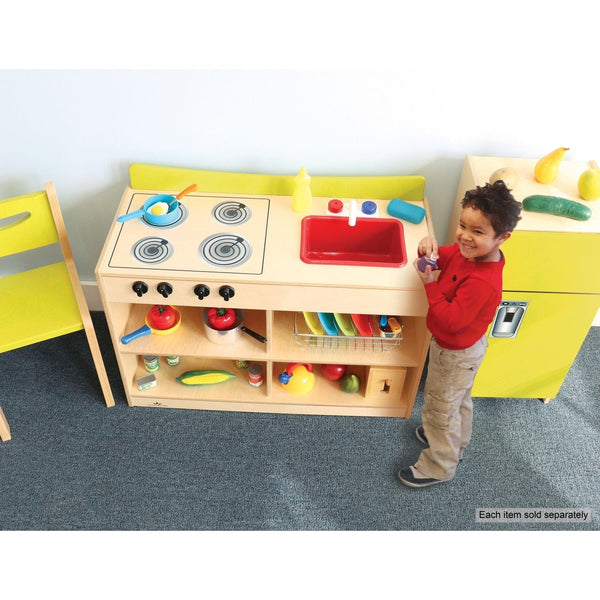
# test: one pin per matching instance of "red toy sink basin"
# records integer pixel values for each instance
(372, 242)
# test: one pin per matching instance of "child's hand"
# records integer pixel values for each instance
(428, 246)
(427, 276)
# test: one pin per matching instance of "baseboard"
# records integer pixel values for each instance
(92, 296)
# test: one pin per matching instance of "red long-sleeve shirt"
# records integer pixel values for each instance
(463, 301)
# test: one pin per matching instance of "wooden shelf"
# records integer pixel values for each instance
(236, 389)
(345, 351)
(190, 338)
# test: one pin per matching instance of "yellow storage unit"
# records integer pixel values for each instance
(551, 285)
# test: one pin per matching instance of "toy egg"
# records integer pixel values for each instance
(159, 208)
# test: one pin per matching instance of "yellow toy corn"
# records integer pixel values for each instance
(204, 377)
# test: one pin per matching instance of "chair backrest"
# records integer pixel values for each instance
(26, 223)
(152, 177)
(48, 301)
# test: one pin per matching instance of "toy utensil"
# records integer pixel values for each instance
(188, 189)
(147, 330)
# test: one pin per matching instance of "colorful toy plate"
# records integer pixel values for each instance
(364, 325)
(344, 322)
(328, 322)
(313, 323)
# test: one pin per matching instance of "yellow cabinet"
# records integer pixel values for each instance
(550, 271)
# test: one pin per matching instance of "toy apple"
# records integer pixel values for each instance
(333, 372)
(161, 317)
(221, 319)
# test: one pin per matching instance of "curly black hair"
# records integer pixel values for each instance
(496, 202)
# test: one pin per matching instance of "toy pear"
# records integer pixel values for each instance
(546, 169)
(589, 182)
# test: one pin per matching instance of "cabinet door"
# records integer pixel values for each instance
(535, 362)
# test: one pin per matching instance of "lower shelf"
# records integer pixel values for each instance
(236, 394)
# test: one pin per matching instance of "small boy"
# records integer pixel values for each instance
(462, 304)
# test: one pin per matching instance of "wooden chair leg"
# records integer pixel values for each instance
(79, 295)
(4, 428)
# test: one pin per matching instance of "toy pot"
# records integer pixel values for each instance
(298, 378)
(231, 335)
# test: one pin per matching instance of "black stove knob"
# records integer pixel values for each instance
(140, 288)
(201, 291)
(226, 292)
(164, 289)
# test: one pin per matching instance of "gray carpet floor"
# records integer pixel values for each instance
(74, 464)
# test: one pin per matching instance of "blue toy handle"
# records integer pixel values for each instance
(134, 215)
(142, 331)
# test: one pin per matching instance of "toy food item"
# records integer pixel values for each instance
(297, 378)
(553, 205)
(203, 377)
(162, 316)
(589, 182)
(424, 262)
(221, 319)
(350, 383)
(160, 208)
(333, 372)
(509, 176)
(546, 169)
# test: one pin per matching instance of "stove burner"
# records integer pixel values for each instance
(182, 213)
(225, 250)
(152, 250)
(231, 213)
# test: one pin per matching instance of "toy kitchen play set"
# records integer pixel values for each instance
(326, 312)
(331, 300)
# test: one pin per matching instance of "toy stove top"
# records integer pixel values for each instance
(212, 233)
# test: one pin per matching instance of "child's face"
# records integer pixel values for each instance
(476, 237)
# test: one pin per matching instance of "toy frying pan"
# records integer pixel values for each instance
(147, 330)
(161, 219)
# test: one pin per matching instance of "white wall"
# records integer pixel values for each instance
(82, 129)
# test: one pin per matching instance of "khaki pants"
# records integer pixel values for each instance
(448, 409)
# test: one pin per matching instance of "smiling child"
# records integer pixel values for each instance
(462, 303)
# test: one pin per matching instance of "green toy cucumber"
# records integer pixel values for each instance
(554, 205)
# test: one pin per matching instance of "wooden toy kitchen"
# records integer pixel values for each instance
(231, 248)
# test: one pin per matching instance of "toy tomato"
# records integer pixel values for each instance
(161, 316)
(221, 318)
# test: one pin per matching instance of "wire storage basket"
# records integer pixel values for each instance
(305, 337)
